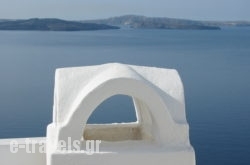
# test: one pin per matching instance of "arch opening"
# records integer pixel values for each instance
(116, 109)
(122, 123)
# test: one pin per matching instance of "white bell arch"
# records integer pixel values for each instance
(157, 94)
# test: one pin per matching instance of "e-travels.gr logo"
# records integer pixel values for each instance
(32, 146)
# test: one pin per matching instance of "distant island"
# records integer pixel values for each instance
(142, 22)
(130, 21)
(51, 24)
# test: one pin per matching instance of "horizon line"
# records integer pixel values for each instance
(190, 19)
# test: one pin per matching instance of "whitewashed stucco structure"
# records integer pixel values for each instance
(160, 135)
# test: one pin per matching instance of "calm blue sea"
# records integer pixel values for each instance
(214, 66)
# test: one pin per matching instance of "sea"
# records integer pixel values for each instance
(214, 66)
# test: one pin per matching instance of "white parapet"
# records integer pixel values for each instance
(160, 135)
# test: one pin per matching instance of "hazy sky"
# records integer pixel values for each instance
(89, 9)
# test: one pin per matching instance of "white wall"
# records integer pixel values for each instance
(21, 157)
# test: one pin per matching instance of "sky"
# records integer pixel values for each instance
(93, 9)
